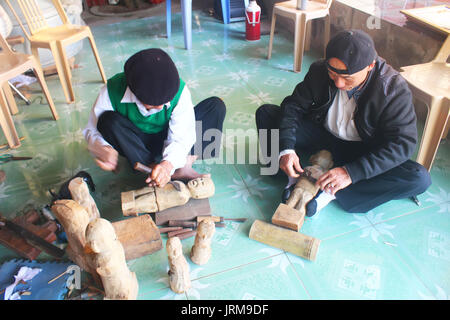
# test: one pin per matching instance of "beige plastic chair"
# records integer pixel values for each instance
(430, 83)
(14, 64)
(315, 9)
(55, 38)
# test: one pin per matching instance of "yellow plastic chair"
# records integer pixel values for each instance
(14, 64)
(315, 9)
(41, 35)
(430, 83)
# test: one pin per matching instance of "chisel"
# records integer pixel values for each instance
(220, 219)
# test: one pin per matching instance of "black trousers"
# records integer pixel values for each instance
(138, 146)
(406, 180)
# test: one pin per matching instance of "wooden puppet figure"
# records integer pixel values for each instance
(156, 199)
(201, 250)
(118, 281)
(179, 278)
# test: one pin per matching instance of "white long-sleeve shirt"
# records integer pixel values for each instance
(339, 120)
(180, 136)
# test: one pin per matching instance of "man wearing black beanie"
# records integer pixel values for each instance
(146, 115)
(355, 105)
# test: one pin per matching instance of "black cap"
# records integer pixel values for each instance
(354, 48)
(152, 76)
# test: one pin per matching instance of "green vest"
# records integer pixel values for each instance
(153, 123)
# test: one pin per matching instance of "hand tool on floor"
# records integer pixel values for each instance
(9, 157)
(190, 224)
(143, 168)
(32, 239)
(220, 219)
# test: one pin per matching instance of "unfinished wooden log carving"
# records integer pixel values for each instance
(179, 278)
(291, 215)
(201, 250)
(294, 242)
(156, 199)
(118, 281)
(80, 193)
(74, 219)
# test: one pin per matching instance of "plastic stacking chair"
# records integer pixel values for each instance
(430, 83)
(14, 64)
(186, 10)
(314, 10)
(41, 35)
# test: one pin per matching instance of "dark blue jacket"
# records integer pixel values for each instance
(384, 116)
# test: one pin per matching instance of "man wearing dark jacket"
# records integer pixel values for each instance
(360, 109)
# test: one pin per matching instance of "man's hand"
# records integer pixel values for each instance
(290, 164)
(160, 175)
(106, 158)
(334, 180)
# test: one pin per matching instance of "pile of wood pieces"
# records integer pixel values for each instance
(287, 220)
(182, 211)
(28, 236)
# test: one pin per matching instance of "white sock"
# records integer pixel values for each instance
(318, 203)
(323, 199)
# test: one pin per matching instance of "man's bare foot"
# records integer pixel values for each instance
(187, 172)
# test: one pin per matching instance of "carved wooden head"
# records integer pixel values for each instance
(322, 158)
(174, 247)
(201, 188)
(100, 235)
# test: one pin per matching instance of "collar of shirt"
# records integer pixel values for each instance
(357, 91)
(129, 97)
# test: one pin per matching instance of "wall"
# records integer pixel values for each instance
(400, 46)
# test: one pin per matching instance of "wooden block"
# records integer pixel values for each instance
(288, 217)
(182, 223)
(18, 244)
(288, 240)
(189, 211)
(139, 236)
(168, 229)
(186, 234)
(213, 218)
(178, 232)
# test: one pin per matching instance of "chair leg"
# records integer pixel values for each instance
(326, 33)
(61, 67)
(97, 56)
(186, 9)
(7, 123)
(40, 77)
(10, 98)
(435, 126)
(299, 42)
(168, 18)
(225, 11)
(272, 31)
(308, 35)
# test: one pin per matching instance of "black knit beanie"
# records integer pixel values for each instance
(152, 76)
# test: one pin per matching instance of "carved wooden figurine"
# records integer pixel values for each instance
(156, 199)
(80, 193)
(179, 278)
(201, 250)
(118, 281)
(291, 215)
(74, 219)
